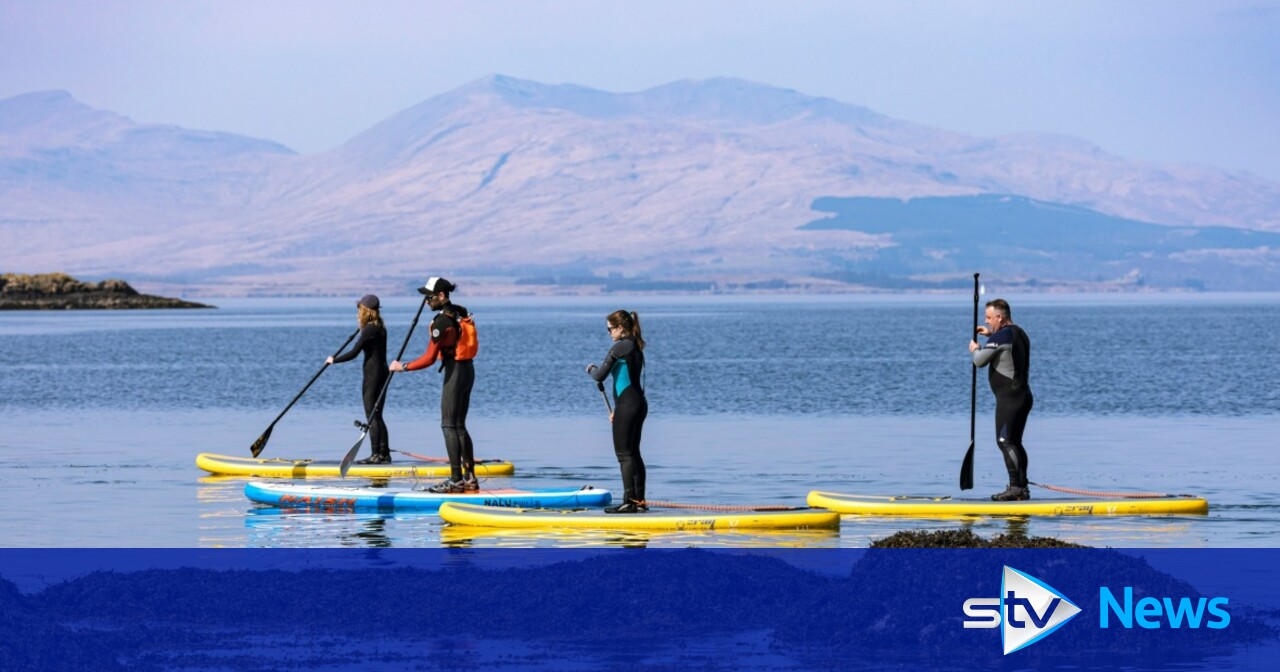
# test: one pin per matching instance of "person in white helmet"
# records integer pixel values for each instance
(459, 378)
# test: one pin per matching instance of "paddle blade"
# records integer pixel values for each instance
(261, 443)
(351, 455)
(966, 469)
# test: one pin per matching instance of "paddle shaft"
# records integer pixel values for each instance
(257, 447)
(966, 467)
(382, 396)
(973, 373)
(605, 396)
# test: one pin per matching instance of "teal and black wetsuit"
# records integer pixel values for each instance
(455, 395)
(1007, 353)
(625, 362)
(373, 343)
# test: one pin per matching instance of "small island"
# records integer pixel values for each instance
(59, 291)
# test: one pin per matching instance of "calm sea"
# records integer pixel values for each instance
(753, 401)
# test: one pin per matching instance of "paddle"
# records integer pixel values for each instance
(605, 395)
(382, 396)
(261, 443)
(966, 468)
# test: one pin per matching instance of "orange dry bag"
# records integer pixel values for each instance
(468, 342)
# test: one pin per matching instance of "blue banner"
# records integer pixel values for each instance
(555, 609)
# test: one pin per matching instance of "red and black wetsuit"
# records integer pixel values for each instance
(455, 396)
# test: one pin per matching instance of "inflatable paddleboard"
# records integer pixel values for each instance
(905, 506)
(657, 519)
(330, 497)
(282, 468)
(567, 537)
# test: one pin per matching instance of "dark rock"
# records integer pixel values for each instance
(117, 287)
(58, 291)
(967, 539)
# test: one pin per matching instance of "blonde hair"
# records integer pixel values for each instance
(367, 315)
(630, 324)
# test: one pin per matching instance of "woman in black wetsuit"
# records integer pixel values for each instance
(625, 362)
(373, 343)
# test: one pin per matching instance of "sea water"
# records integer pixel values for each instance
(753, 400)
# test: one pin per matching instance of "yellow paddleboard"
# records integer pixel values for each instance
(946, 507)
(228, 465)
(657, 519)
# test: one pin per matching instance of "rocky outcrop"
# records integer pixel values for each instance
(58, 291)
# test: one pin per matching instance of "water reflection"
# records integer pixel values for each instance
(273, 527)
(1016, 526)
(478, 537)
(373, 533)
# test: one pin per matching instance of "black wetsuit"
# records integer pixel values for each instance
(455, 395)
(625, 362)
(1008, 354)
(373, 343)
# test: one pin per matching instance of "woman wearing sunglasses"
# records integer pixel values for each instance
(625, 362)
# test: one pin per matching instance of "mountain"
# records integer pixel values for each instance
(527, 186)
(73, 178)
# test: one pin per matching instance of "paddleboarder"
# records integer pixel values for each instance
(625, 362)
(373, 343)
(449, 346)
(1007, 354)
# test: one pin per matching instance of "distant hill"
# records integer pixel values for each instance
(526, 186)
(939, 240)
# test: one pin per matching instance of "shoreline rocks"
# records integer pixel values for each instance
(59, 291)
(965, 538)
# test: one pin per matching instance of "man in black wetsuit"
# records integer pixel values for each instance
(459, 377)
(1007, 354)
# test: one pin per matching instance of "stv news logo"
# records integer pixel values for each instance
(1026, 611)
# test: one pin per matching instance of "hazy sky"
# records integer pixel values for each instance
(1163, 80)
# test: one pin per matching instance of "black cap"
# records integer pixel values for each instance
(437, 285)
(369, 301)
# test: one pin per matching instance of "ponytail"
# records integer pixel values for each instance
(635, 330)
(630, 323)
